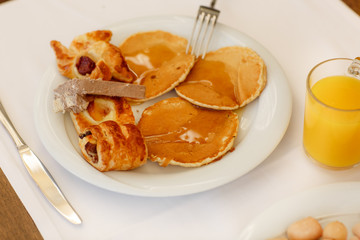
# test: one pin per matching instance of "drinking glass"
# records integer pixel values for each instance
(331, 135)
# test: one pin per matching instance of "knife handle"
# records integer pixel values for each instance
(5, 120)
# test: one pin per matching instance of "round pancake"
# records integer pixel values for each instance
(225, 79)
(103, 109)
(179, 133)
(158, 59)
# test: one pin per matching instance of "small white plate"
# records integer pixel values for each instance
(262, 125)
(340, 200)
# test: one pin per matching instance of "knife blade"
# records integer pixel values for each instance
(39, 173)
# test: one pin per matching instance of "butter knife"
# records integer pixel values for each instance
(39, 173)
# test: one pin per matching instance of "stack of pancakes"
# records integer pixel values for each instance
(199, 126)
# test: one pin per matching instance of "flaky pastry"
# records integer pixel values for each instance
(91, 55)
(102, 109)
(112, 146)
(108, 137)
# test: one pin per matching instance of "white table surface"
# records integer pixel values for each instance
(299, 33)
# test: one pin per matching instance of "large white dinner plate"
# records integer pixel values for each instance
(262, 124)
(338, 200)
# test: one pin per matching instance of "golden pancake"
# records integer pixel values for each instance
(158, 59)
(225, 79)
(103, 109)
(179, 133)
(112, 146)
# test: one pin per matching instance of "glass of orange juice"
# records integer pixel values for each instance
(332, 113)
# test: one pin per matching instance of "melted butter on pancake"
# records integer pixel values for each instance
(158, 59)
(186, 134)
(149, 58)
(179, 133)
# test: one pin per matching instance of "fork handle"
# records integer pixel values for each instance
(212, 4)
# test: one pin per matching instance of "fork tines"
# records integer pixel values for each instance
(202, 31)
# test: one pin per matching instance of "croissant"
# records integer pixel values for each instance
(110, 146)
(102, 109)
(108, 137)
(91, 55)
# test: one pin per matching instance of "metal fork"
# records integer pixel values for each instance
(203, 27)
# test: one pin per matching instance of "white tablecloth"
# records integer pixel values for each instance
(299, 33)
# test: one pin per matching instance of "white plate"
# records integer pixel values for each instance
(338, 199)
(262, 125)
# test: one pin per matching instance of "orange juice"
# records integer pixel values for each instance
(332, 121)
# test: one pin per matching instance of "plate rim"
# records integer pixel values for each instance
(113, 185)
(314, 194)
